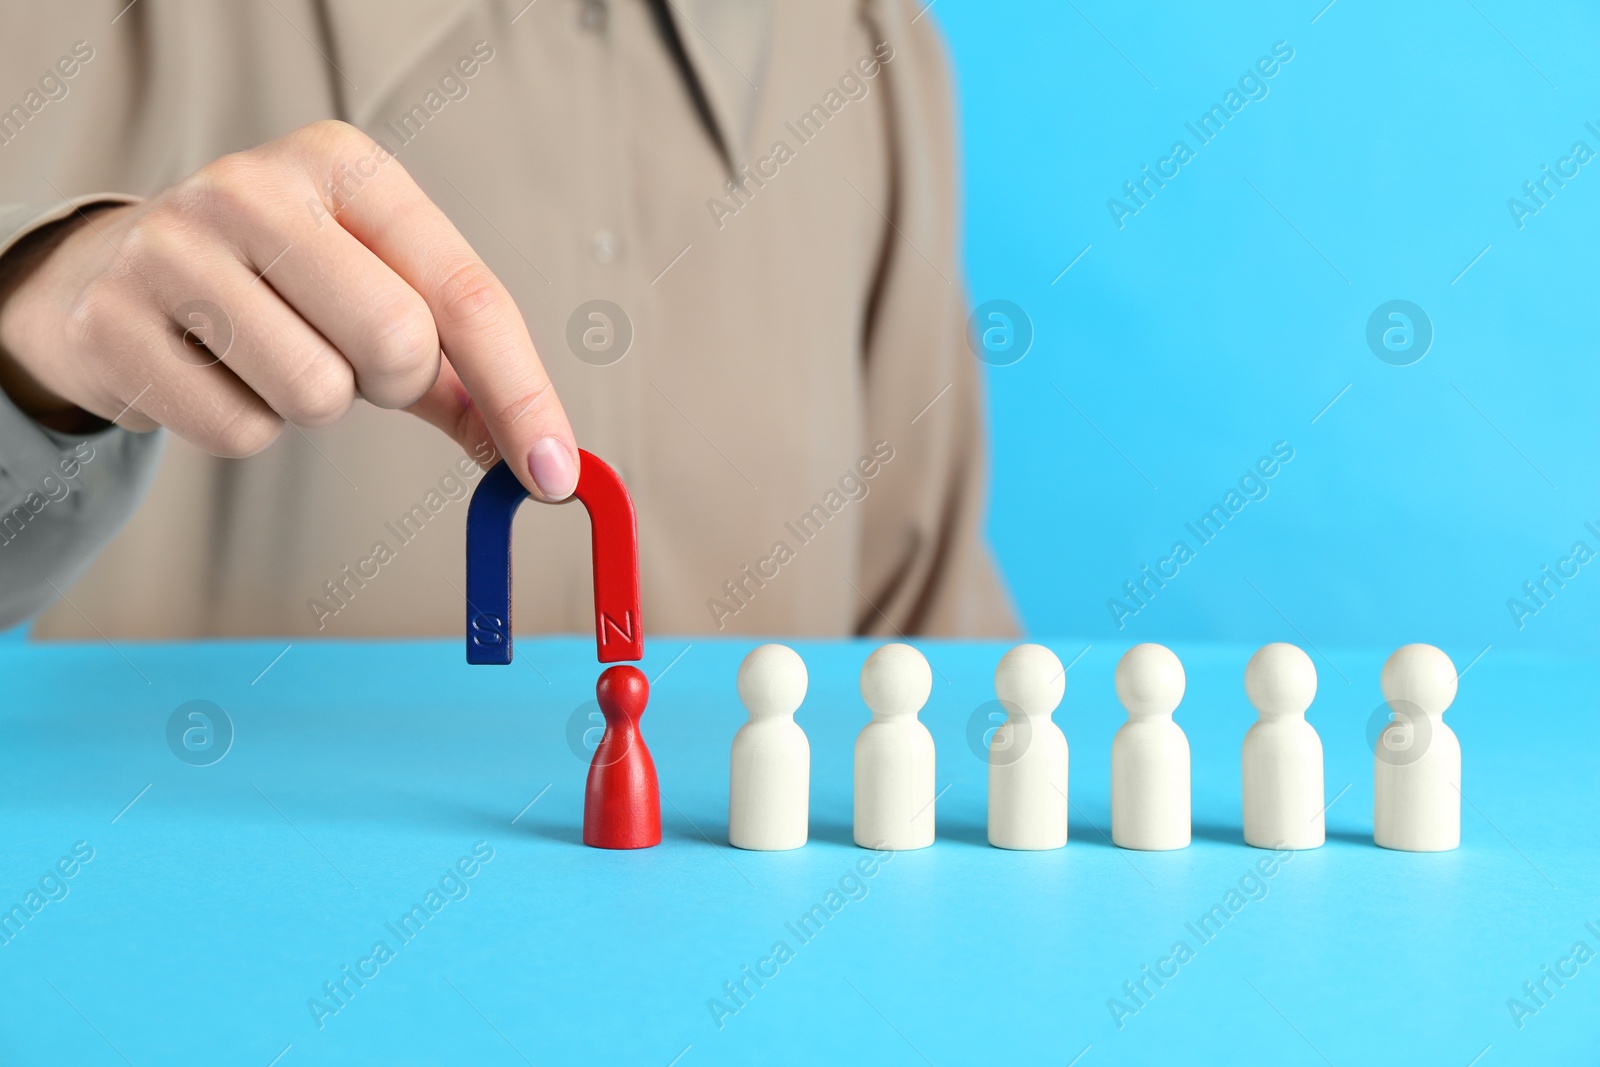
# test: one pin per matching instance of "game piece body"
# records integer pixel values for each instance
(1282, 754)
(894, 757)
(1150, 754)
(1416, 774)
(769, 790)
(1028, 753)
(622, 801)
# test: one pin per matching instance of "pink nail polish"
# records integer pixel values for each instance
(552, 468)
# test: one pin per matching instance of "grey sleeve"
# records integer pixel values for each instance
(62, 496)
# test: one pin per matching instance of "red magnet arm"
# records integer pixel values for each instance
(614, 544)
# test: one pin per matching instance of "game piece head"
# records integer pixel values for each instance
(1280, 679)
(895, 681)
(1419, 676)
(1150, 681)
(1030, 680)
(772, 681)
(622, 690)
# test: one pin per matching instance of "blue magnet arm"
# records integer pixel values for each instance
(494, 505)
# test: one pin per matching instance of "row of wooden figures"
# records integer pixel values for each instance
(1417, 768)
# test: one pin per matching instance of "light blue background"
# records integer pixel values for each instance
(1208, 328)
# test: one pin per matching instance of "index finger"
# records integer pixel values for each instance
(480, 327)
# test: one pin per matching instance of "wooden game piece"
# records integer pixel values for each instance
(1028, 753)
(1282, 755)
(1416, 774)
(622, 802)
(614, 545)
(894, 757)
(769, 791)
(1150, 754)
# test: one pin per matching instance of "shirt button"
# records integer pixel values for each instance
(604, 245)
(592, 17)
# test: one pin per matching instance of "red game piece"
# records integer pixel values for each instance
(622, 802)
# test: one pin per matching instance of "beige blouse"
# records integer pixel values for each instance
(732, 228)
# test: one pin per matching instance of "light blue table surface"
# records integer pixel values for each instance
(219, 899)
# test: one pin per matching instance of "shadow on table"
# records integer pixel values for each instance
(451, 812)
(1234, 835)
(1222, 834)
(561, 833)
(678, 830)
(1083, 833)
(959, 833)
(831, 832)
(842, 833)
(1079, 835)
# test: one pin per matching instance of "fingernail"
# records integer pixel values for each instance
(552, 468)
